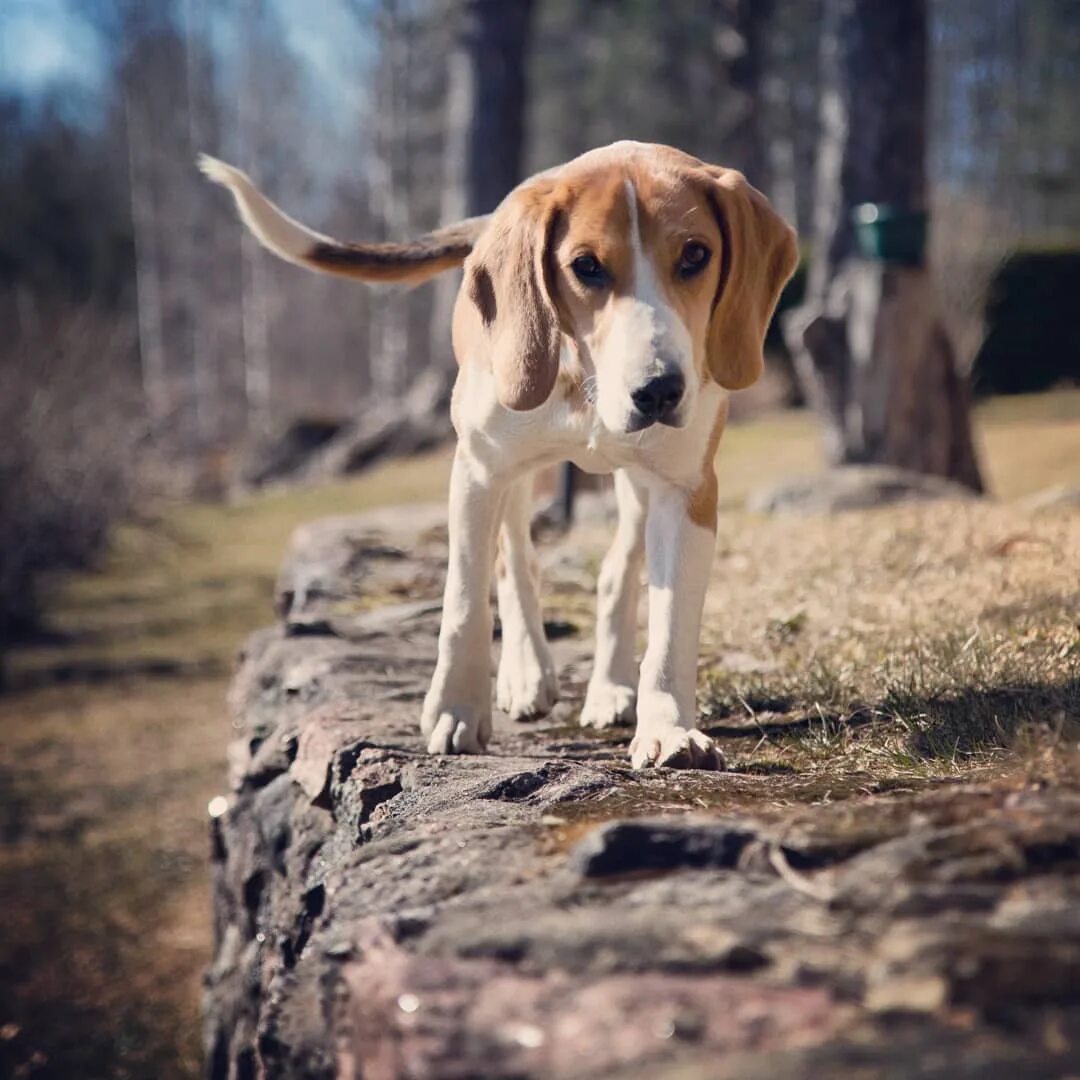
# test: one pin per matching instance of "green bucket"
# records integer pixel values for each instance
(887, 234)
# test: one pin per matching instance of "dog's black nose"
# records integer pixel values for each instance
(659, 397)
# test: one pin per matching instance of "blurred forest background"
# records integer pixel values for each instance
(147, 334)
(151, 349)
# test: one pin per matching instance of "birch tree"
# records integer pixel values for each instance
(201, 256)
(148, 305)
(388, 184)
(254, 279)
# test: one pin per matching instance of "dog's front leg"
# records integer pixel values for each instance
(679, 552)
(612, 690)
(457, 710)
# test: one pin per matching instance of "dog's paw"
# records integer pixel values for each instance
(457, 731)
(526, 685)
(608, 704)
(456, 716)
(674, 748)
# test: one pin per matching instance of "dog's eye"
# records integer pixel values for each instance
(695, 257)
(589, 272)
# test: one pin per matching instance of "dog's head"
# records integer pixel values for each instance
(660, 272)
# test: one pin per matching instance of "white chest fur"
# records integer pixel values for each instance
(509, 442)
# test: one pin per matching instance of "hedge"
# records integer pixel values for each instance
(1032, 327)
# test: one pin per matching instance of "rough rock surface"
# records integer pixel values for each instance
(852, 487)
(315, 448)
(543, 911)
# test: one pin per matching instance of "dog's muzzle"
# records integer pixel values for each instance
(657, 401)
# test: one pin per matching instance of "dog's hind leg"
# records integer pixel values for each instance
(456, 716)
(613, 687)
(526, 685)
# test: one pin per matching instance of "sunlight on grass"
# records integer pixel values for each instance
(1028, 443)
(188, 589)
(103, 870)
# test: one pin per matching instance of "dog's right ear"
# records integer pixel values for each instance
(509, 278)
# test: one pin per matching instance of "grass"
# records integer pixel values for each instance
(909, 640)
(901, 646)
(102, 876)
(189, 589)
(1028, 443)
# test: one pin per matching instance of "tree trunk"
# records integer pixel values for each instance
(484, 140)
(388, 183)
(780, 123)
(199, 270)
(750, 20)
(870, 344)
(495, 36)
(147, 267)
(254, 285)
(460, 106)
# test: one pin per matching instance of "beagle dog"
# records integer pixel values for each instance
(607, 308)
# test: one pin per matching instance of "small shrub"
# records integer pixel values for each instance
(70, 432)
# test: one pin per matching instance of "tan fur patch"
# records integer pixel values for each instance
(701, 508)
(594, 218)
(584, 203)
(570, 387)
(500, 557)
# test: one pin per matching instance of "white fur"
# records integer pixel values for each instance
(456, 717)
(273, 228)
(647, 339)
(679, 556)
(526, 684)
(612, 691)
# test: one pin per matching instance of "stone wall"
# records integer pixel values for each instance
(542, 911)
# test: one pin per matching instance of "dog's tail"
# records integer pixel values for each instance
(411, 262)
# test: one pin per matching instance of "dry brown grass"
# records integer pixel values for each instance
(919, 640)
(1027, 443)
(102, 876)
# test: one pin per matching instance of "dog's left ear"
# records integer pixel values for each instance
(759, 255)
